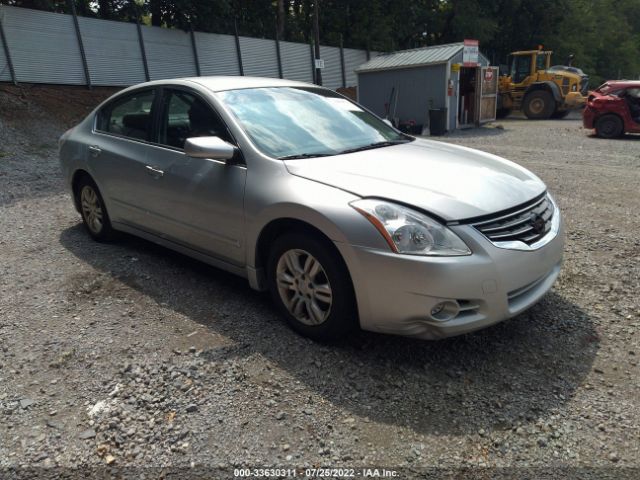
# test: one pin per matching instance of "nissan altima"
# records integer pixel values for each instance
(346, 221)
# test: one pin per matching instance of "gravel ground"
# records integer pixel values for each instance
(129, 355)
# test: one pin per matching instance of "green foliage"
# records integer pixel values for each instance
(604, 35)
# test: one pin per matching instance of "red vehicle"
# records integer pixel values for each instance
(614, 108)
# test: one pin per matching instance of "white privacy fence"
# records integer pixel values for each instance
(45, 47)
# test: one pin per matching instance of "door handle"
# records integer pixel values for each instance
(95, 150)
(154, 172)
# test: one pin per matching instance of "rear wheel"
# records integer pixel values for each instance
(538, 105)
(93, 211)
(311, 286)
(609, 126)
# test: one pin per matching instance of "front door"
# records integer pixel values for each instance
(631, 97)
(196, 202)
(521, 69)
(488, 98)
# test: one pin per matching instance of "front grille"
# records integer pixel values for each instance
(528, 224)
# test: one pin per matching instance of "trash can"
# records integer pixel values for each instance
(437, 121)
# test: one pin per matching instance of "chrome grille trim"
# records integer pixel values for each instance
(523, 229)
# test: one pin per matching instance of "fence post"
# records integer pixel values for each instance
(238, 49)
(7, 54)
(313, 62)
(342, 69)
(278, 54)
(195, 50)
(87, 76)
(143, 52)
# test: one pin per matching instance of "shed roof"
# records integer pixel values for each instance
(415, 57)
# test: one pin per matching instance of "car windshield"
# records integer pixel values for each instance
(293, 122)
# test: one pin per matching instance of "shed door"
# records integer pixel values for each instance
(488, 97)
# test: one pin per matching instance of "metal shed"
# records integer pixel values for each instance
(405, 85)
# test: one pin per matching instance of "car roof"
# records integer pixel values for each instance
(623, 83)
(220, 83)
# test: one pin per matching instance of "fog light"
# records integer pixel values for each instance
(444, 311)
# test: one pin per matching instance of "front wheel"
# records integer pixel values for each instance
(312, 287)
(539, 105)
(609, 126)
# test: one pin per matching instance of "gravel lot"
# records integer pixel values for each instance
(129, 355)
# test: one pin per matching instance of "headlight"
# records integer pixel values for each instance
(410, 232)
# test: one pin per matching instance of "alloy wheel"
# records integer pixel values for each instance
(304, 287)
(91, 209)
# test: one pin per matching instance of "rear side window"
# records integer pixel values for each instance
(129, 116)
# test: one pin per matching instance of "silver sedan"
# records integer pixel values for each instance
(345, 220)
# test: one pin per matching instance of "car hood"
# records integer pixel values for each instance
(603, 96)
(452, 182)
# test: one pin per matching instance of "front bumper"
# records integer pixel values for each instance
(588, 116)
(396, 293)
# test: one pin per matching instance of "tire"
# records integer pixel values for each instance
(562, 114)
(609, 126)
(318, 305)
(93, 210)
(503, 112)
(539, 105)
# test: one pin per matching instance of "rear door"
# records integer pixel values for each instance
(488, 98)
(118, 154)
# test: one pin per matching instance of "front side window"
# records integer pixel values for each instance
(129, 116)
(633, 93)
(289, 122)
(186, 116)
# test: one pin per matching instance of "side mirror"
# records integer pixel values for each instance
(209, 147)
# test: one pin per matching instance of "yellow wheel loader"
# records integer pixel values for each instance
(539, 89)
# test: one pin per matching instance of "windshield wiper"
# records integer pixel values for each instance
(305, 155)
(387, 143)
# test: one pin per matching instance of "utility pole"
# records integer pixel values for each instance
(316, 33)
